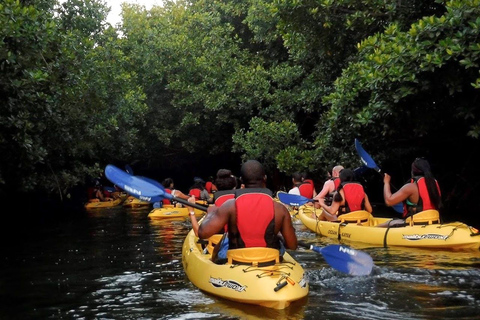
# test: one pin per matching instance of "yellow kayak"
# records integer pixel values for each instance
(170, 211)
(424, 231)
(251, 275)
(95, 203)
(133, 202)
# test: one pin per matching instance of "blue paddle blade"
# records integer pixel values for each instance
(129, 169)
(292, 199)
(365, 157)
(398, 207)
(346, 259)
(135, 186)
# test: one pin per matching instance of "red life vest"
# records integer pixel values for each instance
(255, 220)
(195, 192)
(208, 186)
(336, 182)
(354, 197)
(221, 197)
(424, 201)
(306, 189)
(165, 200)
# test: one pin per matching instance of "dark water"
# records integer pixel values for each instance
(118, 264)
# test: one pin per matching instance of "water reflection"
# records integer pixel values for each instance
(118, 264)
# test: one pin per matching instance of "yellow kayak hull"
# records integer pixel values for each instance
(446, 236)
(133, 202)
(103, 204)
(169, 212)
(244, 283)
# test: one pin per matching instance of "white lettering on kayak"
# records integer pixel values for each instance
(230, 284)
(428, 236)
(347, 250)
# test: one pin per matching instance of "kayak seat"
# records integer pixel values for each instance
(359, 217)
(212, 242)
(424, 218)
(255, 256)
(94, 200)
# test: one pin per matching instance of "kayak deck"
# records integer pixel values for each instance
(135, 203)
(102, 204)
(446, 236)
(274, 286)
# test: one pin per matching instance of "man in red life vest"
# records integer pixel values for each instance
(307, 188)
(254, 219)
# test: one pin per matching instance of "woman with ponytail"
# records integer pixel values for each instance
(421, 193)
(349, 196)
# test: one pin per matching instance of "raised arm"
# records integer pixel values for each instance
(404, 193)
(191, 214)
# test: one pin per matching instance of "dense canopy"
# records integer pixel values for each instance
(192, 86)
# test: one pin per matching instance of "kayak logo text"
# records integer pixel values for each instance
(428, 236)
(230, 284)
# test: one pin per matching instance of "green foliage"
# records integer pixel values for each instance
(272, 143)
(288, 82)
(66, 102)
(437, 57)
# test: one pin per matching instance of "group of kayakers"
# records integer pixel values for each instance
(250, 217)
(341, 194)
(245, 211)
(99, 190)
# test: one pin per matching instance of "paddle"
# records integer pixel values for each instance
(368, 161)
(344, 259)
(293, 200)
(129, 169)
(142, 189)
